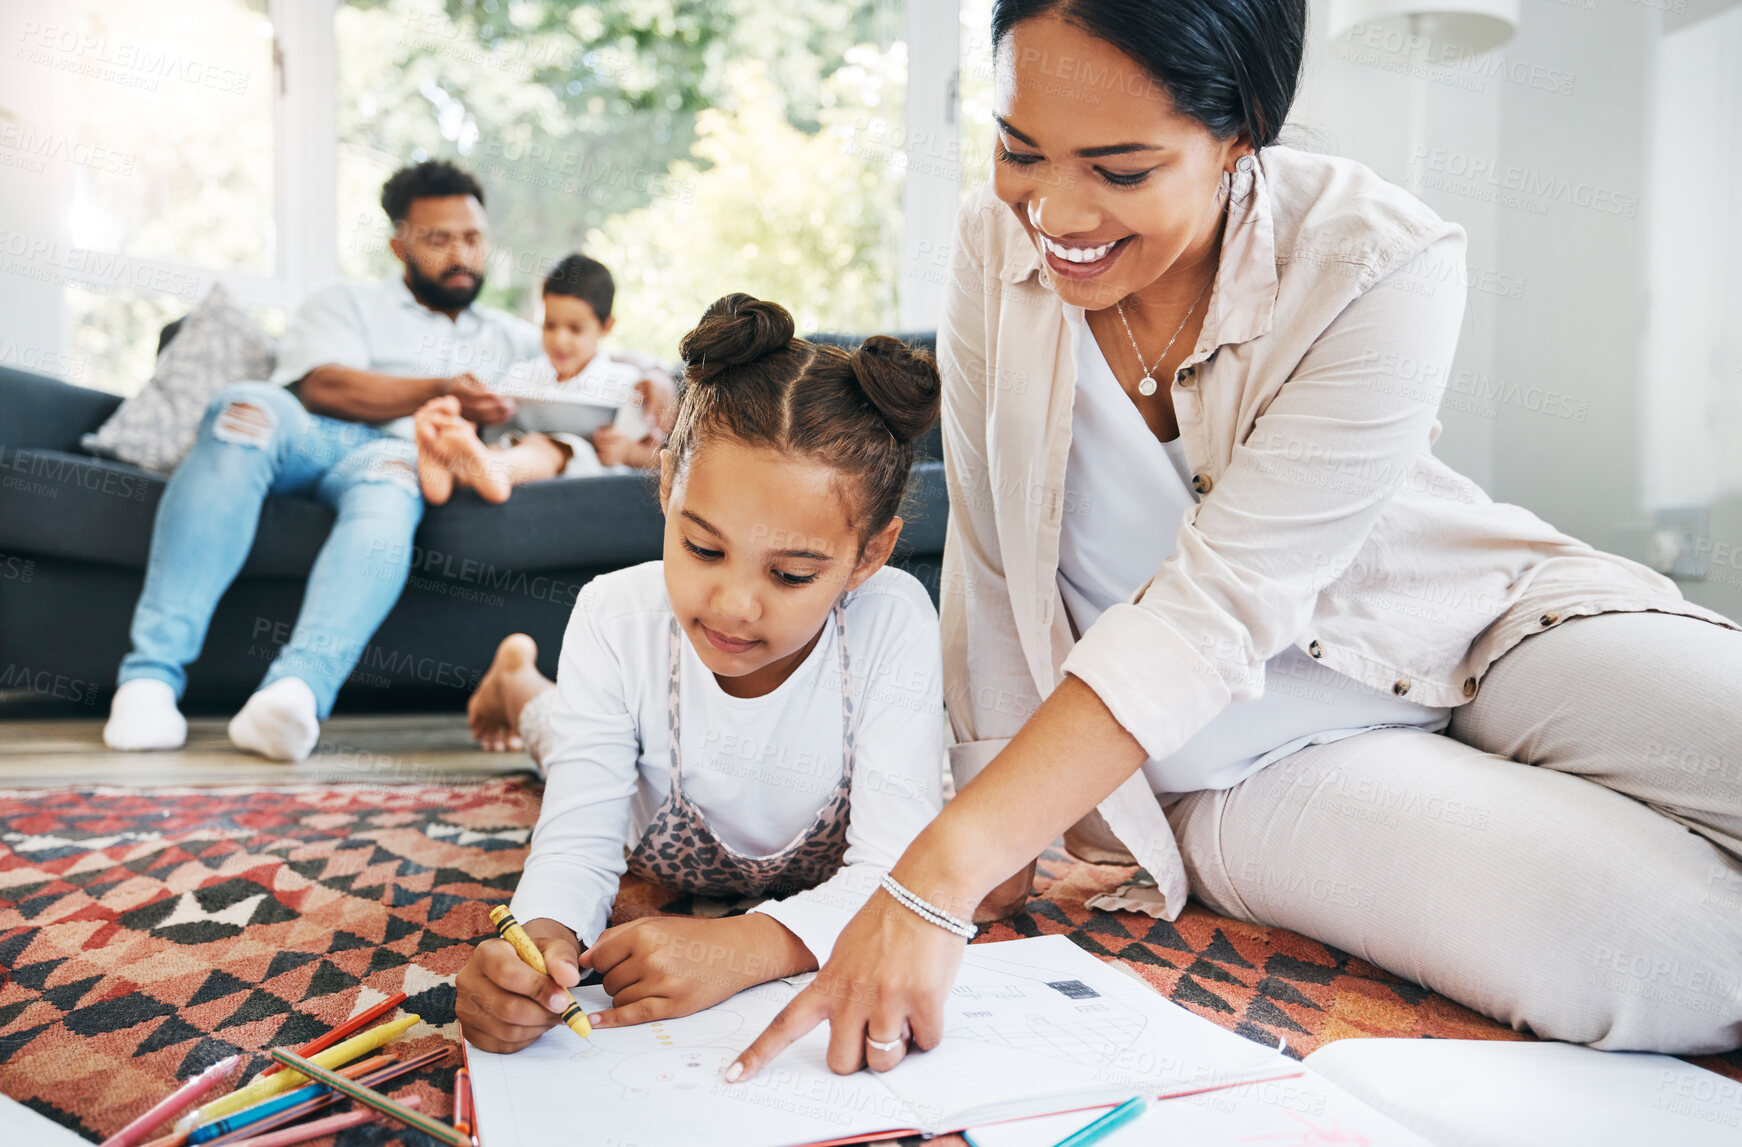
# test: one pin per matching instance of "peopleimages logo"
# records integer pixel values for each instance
(1464, 174)
(50, 261)
(121, 61)
(1396, 50)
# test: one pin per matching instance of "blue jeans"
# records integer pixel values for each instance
(257, 439)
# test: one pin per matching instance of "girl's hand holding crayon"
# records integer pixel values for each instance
(502, 1004)
(662, 967)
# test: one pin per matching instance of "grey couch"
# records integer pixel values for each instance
(75, 532)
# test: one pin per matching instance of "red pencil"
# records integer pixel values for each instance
(350, 1027)
(463, 1101)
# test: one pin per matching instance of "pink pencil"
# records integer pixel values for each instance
(177, 1099)
(303, 1132)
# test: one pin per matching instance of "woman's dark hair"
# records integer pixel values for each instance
(747, 377)
(586, 279)
(1229, 64)
(431, 179)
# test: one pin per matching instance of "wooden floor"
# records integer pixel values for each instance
(382, 750)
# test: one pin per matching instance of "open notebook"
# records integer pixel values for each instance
(1033, 1026)
(1447, 1093)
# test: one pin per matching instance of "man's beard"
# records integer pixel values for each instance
(435, 295)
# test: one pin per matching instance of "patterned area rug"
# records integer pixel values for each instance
(145, 934)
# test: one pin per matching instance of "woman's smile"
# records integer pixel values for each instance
(1079, 260)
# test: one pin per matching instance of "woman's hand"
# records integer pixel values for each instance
(891, 969)
(503, 1005)
(660, 967)
(886, 981)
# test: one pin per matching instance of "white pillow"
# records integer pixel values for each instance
(217, 344)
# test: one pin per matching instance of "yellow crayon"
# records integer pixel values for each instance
(265, 1087)
(510, 930)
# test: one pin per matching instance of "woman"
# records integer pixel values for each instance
(1367, 703)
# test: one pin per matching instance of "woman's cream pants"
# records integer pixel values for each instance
(1565, 857)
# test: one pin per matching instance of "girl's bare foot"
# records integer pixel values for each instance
(457, 445)
(432, 474)
(512, 680)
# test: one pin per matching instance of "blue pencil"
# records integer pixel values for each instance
(255, 1114)
(1114, 1119)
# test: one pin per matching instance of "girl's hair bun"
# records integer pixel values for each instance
(737, 329)
(901, 382)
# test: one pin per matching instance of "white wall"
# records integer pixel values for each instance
(1354, 101)
(1596, 162)
(1692, 412)
(1692, 415)
(1580, 232)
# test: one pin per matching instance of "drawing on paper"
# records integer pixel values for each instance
(652, 1057)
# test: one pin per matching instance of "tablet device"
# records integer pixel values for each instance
(552, 413)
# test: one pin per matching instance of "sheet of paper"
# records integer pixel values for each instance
(1031, 1026)
(1043, 1017)
(661, 1083)
(1541, 1094)
(1308, 1111)
(20, 1125)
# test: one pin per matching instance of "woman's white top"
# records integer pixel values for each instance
(759, 768)
(1120, 523)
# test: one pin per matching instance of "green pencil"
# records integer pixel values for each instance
(367, 1095)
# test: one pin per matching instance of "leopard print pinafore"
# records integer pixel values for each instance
(681, 850)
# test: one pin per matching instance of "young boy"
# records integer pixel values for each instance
(578, 294)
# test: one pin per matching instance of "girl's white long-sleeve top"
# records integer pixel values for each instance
(758, 768)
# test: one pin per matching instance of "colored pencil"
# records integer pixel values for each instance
(355, 1024)
(303, 1132)
(248, 1116)
(1108, 1123)
(174, 1102)
(265, 1088)
(362, 1070)
(330, 1097)
(434, 1128)
(463, 1101)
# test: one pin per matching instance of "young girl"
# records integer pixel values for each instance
(758, 715)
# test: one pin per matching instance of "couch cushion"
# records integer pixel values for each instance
(36, 410)
(607, 520)
(67, 505)
(219, 344)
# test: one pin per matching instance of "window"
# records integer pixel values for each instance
(144, 148)
(152, 148)
(693, 148)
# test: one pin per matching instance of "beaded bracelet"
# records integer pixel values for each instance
(927, 911)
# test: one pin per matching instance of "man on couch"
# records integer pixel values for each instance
(361, 357)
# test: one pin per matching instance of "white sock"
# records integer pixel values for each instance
(278, 722)
(143, 716)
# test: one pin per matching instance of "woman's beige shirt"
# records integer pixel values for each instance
(1307, 411)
